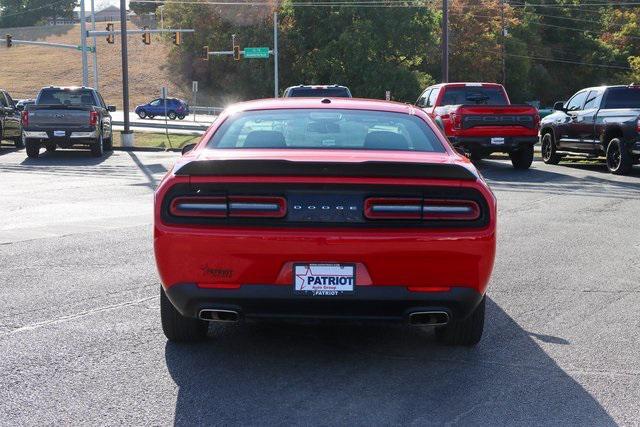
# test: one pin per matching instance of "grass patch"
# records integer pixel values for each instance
(151, 139)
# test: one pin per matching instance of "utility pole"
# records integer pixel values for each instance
(95, 51)
(445, 41)
(275, 54)
(127, 135)
(83, 45)
(503, 38)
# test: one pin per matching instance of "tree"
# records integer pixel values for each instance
(22, 13)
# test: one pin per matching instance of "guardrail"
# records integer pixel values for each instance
(207, 110)
(176, 126)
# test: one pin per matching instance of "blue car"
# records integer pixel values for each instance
(176, 108)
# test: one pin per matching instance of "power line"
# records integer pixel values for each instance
(350, 3)
(565, 61)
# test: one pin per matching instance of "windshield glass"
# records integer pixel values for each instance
(66, 97)
(474, 95)
(330, 129)
(623, 97)
(332, 92)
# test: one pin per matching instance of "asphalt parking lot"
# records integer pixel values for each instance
(81, 343)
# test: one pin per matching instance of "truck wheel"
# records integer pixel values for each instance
(108, 144)
(177, 327)
(549, 155)
(522, 158)
(50, 147)
(475, 154)
(142, 114)
(619, 160)
(33, 149)
(465, 332)
(172, 115)
(97, 148)
(19, 141)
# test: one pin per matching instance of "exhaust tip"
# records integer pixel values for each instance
(429, 318)
(211, 315)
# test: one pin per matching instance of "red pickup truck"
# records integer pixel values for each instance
(479, 119)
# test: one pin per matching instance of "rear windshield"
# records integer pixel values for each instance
(330, 129)
(331, 92)
(474, 95)
(623, 97)
(66, 97)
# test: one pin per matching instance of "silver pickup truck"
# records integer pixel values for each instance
(66, 117)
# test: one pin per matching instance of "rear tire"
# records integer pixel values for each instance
(467, 332)
(549, 154)
(19, 141)
(50, 148)
(181, 117)
(177, 327)
(522, 158)
(475, 155)
(33, 149)
(619, 160)
(97, 148)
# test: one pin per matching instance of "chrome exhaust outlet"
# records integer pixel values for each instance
(429, 318)
(213, 315)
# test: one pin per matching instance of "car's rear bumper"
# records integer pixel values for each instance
(384, 303)
(76, 135)
(484, 144)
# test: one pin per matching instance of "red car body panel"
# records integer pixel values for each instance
(416, 258)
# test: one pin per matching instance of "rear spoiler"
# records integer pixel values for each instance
(373, 169)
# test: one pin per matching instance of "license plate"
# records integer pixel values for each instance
(324, 279)
(497, 141)
(59, 133)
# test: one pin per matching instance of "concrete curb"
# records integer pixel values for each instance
(152, 149)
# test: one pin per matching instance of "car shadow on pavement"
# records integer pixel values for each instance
(562, 180)
(66, 158)
(269, 373)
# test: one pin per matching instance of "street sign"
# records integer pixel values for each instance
(256, 52)
(387, 95)
(89, 48)
(194, 86)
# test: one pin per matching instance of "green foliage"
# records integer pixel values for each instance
(22, 13)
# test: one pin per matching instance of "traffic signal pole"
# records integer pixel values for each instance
(275, 54)
(95, 53)
(445, 41)
(83, 45)
(126, 135)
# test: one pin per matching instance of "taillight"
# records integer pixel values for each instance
(215, 207)
(638, 125)
(421, 209)
(257, 206)
(93, 118)
(536, 121)
(24, 118)
(392, 208)
(467, 210)
(232, 206)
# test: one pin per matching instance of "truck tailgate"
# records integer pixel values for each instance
(56, 116)
(497, 115)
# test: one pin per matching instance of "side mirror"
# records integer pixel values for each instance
(111, 108)
(188, 148)
(559, 106)
(19, 107)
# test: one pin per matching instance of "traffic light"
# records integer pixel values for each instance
(177, 38)
(146, 36)
(236, 53)
(110, 37)
(9, 40)
(204, 54)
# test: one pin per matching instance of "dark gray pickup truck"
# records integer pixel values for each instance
(597, 121)
(66, 117)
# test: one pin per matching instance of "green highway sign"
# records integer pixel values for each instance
(256, 52)
(89, 48)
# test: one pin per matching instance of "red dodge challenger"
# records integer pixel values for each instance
(324, 209)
